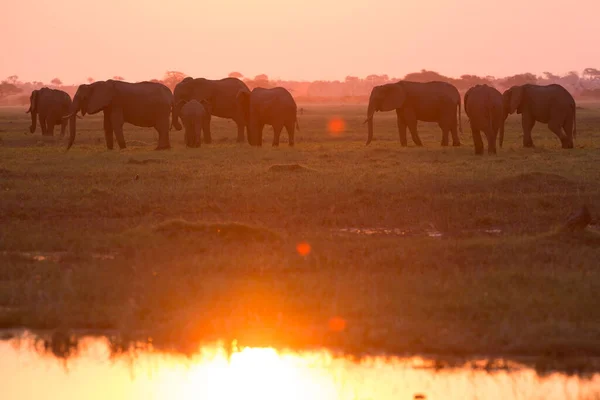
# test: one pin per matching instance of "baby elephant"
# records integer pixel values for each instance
(485, 109)
(196, 117)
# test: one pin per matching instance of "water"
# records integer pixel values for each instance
(433, 233)
(262, 373)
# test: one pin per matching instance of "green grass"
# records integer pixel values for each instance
(202, 242)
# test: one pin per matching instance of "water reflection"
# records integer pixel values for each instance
(261, 373)
(409, 232)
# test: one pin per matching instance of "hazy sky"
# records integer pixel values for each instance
(304, 39)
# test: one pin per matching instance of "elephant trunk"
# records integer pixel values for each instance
(369, 121)
(72, 116)
(175, 117)
(72, 130)
(502, 128)
(33, 121)
(250, 131)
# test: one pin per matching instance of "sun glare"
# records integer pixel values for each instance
(336, 126)
(249, 372)
(303, 248)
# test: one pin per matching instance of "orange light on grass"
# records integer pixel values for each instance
(336, 126)
(337, 324)
(303, 248)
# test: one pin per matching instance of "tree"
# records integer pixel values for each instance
(467, 81)
(352, 82)
(8, 89)
(235, 75)
(172, 78)
(591, 73)
(519, 79)
(118, 78)
(372, 79)
(14, 79)
(426, 76)
(550, 76)
(261, 80)
(56, 82)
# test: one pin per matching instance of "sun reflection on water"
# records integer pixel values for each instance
(250, 372)
(262, 373)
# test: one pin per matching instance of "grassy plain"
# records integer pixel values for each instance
(199, 244)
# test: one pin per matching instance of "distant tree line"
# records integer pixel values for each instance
(352, 89)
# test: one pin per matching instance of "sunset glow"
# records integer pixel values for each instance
(309, 40)
(265, 374)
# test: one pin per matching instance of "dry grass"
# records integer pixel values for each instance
(204, 240)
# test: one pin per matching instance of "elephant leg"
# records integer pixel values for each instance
(240, 131)
(206, 130)
(445, 135)
(116, 116)
(259, 135)
(63, 127)
(401, 128)
(568, 127)
(413, 133)
(455, 138)
(50, 128)
(477, 141)
(277, 128)
(491, 139)
(290, 127)
(555, 126)
(43, 125)
(162, 127)
(197, 133)
(188, 130)
(528, 122)
(108, 131)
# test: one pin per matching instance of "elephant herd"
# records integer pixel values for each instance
(195, 101)
(486, 108)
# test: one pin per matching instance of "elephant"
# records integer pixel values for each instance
(275, 107)
(485, 109)
(145, 104)
(51, 105)
(550, 104)
(432, 101)
(221, 94)
(194, 114)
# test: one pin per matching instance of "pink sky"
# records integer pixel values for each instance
(303, 39)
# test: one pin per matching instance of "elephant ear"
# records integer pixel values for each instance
(393, 97)
(516, 97)
(465, 100)
(33, 102)
(207, 105)
(179, 105)
(100, 97)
